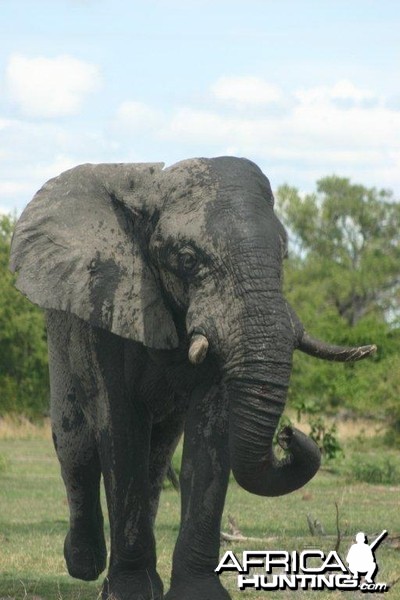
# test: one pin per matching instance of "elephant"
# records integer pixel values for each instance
(162, 291)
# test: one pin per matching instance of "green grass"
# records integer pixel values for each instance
(386, 470)
(34, 520)
(3, 463)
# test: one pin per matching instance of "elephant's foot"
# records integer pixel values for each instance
(86, 556)
(197, 588)
(136, 585)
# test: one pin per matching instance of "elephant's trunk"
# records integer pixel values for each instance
(254, 418)
(256, 379)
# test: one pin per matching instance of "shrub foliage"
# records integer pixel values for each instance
(342, 276)
(24, 381)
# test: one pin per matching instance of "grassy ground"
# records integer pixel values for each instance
(34, 520)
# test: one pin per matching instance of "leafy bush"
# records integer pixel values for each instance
(375, 470)
(24, 381)
(326, 438)
(342, 279)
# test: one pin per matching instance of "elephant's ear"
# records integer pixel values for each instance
(78, 247)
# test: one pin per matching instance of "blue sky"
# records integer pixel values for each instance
(303, 88)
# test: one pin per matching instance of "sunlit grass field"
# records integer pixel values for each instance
(34, 520)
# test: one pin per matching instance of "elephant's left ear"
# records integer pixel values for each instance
(79, 247)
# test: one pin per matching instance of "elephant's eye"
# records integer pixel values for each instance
(187, 261)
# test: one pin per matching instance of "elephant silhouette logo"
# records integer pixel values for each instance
(360, 557)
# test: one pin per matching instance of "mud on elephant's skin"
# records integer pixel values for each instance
(162, 290)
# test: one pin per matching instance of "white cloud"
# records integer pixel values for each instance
(13, 188)
(43, 171)
(4, 123)
(134, 116)
(50, 87)
(343, 92)
(199, 126)
(37, 151)
(340, 128)
(316, 134)
(346, 90)
(357, 128)
(246, 91)
(313, 124)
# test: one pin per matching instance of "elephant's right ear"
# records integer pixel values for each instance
(78, 247)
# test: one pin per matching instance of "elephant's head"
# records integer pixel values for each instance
(140, 250)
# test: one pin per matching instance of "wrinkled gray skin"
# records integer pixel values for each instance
(136, 265)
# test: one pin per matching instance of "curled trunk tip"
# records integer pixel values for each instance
(326, 351)
(279, 477)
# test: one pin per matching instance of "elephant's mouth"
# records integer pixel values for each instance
(257, 396)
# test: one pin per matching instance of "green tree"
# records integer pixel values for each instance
(343, 278)
(348, 239)
(23, 353)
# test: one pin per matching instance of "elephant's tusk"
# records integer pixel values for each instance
(198, 348)
(326, 351)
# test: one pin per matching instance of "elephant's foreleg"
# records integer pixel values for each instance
(204, 479)
(124, 455)
(165, 436)
(84, 547)
(123, 428)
